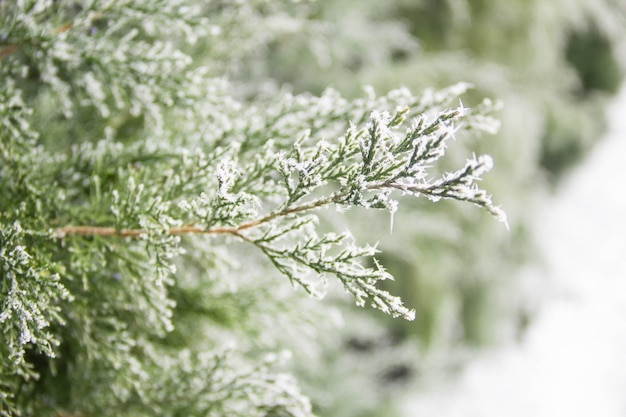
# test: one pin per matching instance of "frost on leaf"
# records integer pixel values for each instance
(367, 158)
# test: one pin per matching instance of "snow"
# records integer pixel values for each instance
(572, 361)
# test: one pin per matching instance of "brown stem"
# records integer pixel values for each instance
(111, 231)
(190, 229)
(13, 47)
(8, 51)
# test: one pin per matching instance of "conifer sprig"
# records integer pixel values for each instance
(367, 166)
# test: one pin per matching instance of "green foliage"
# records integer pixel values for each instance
(150, 205)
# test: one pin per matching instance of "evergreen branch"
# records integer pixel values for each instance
(365, 165)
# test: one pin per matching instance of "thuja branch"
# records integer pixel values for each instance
(364, 167)
(457, 186)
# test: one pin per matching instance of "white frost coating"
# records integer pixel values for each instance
(226, 173)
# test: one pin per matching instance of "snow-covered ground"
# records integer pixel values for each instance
(572, 362)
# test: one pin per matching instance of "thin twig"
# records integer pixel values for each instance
(14, 47)
(8, 51)
(70, 230)
(111, 231)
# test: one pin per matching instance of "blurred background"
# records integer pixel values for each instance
(569, 361)
(525, 321)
